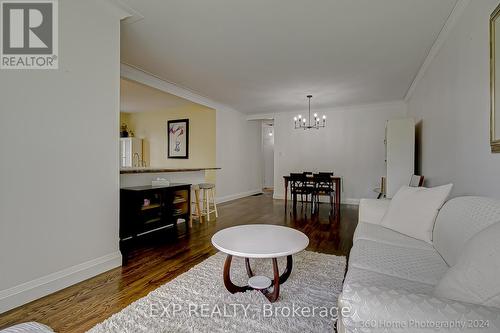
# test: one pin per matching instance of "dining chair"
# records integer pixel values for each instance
(299, 186)
(308, 183)
(323, 187)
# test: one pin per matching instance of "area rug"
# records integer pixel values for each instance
(197, 300)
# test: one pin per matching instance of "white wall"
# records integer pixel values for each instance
(238, 155)
(59, 171)
(351, 145)
(452, 103)
(267, 155)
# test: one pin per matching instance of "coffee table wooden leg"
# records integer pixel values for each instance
(249, 269)
(278, 279)
(230, 286)
(283, 277)
(273, 296)
(288, 270)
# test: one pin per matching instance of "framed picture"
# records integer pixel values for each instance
(178, 138)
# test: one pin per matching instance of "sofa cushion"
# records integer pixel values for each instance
(373, 309)
(367, 277)
(459, 220)
(420, 265)
(474, 278)
(378, 233)
(413, 210)
(372, 210)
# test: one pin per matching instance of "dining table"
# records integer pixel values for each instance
(336, 182)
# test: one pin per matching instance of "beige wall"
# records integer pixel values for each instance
(152, 127)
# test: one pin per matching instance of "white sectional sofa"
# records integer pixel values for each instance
(391, 277)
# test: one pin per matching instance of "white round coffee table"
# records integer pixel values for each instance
(259, 241)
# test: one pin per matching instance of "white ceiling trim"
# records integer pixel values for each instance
(123, 11)
(137, 74)
(455, 14)
(261, 116)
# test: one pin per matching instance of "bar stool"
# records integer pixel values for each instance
(209, 205)
(196, 213)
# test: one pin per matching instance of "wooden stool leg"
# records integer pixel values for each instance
(215, 205)
(197, 201)
(208, 204)
(204, 199)
(191, 213)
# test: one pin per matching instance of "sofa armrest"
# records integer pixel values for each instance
(372, 210)
(377, 309)
(29, 327)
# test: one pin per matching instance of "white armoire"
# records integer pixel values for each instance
(399, 153)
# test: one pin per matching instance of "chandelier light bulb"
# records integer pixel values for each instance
(294, 118)
(315, 115)
(324, 117)
(300, 116)
(304, 120)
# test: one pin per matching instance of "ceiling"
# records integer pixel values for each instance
(263, 56)
(136, 97)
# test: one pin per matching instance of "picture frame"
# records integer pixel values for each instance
(178, 138)
(494, 84)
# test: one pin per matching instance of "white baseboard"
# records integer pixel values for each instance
(345, 201)
(237, 196)
(45, 285)
(350, 201)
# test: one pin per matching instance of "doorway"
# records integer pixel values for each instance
(267, 156)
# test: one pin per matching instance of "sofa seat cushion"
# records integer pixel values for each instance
(374, 309)
(360, 276)
(419, 265)
(378, 233)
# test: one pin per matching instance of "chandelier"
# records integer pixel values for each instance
(308, 123)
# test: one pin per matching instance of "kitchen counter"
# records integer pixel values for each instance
(161, 170)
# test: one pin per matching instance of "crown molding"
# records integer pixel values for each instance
(261, 116)
(454, 16)
(134, 73)
(125, 13)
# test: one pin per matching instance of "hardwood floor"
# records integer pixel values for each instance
(80, 307)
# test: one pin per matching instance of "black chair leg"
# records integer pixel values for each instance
(331, 203)
(313, 203)
(316, 203)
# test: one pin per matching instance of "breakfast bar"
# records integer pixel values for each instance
(130, 177)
